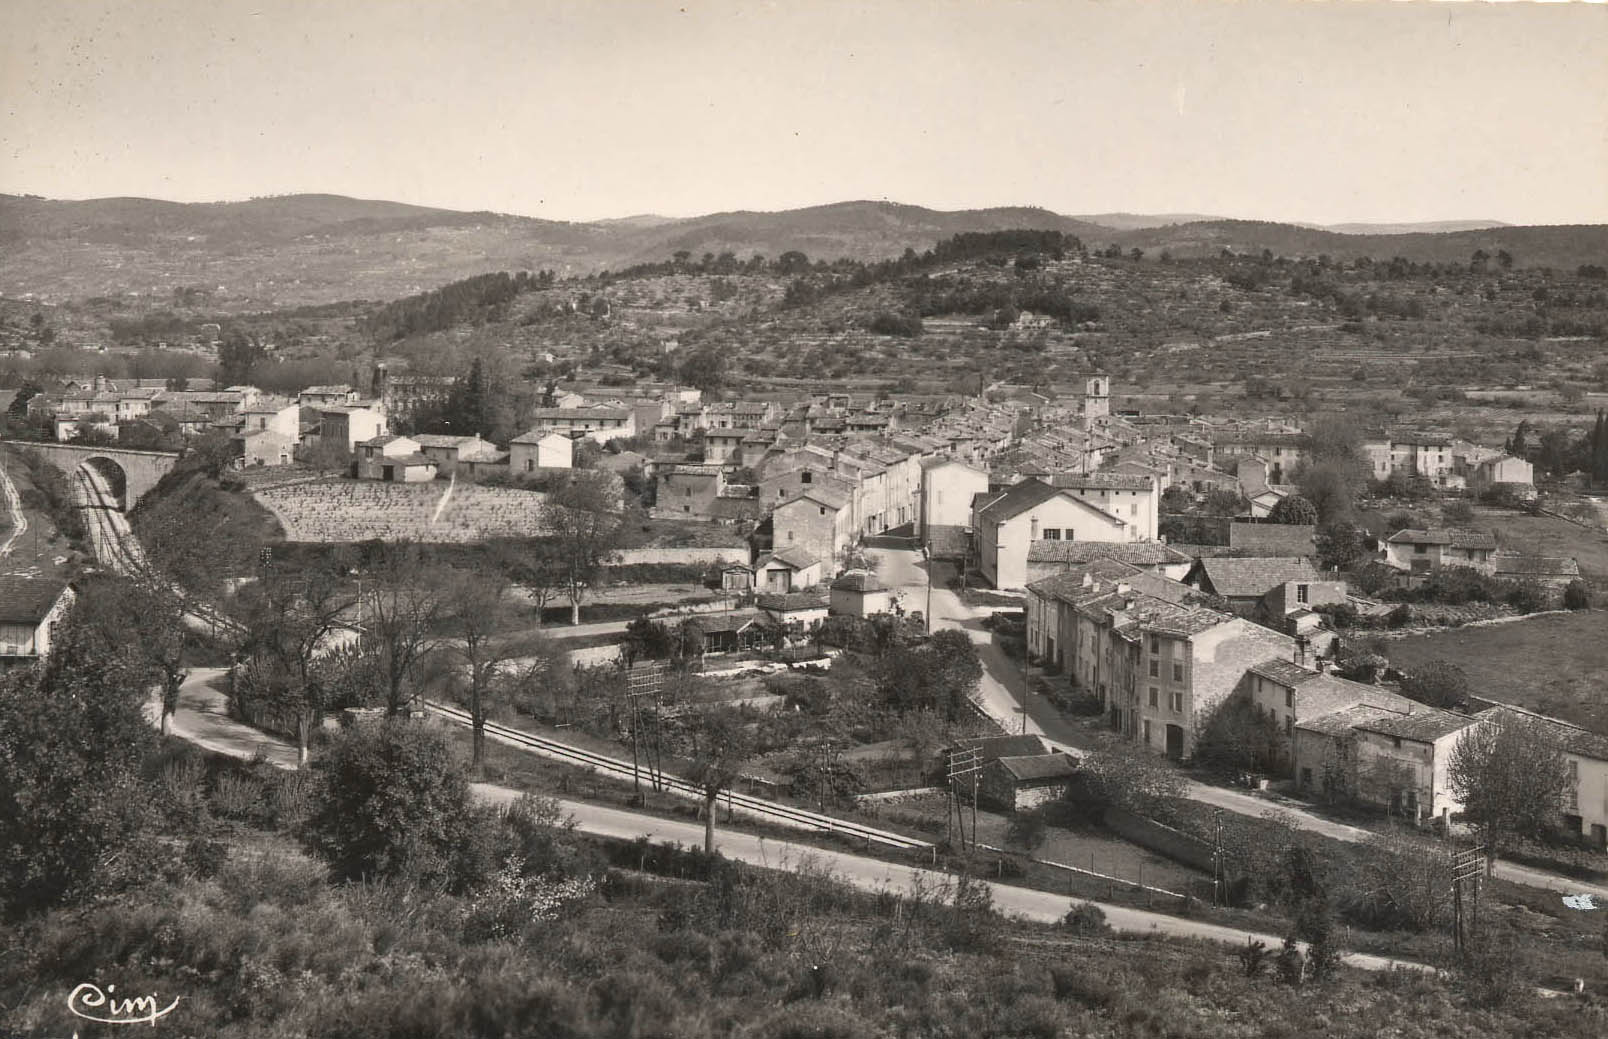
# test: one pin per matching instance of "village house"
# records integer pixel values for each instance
(1390, 759)
(688, 489)
(787, 570)
(818, 522)
(860, 593)
(724, 444)
(320, 396)
(1247, 583)
(465, 456)
(1006, 524)
(1427, 454)
(1287, 693)
(540, 449)
(264, 447)
(1585, 808)
(948, 486)
(793, 612)
(343, 428)
(394, 459)
(1132, 497)
(30, 609)
(1432, 550)
(600, 424)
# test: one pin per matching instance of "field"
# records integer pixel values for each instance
(1556, 664)
(1548, 536)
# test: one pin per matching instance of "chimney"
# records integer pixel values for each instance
(1301, 643)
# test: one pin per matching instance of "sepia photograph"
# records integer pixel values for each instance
(744, 519)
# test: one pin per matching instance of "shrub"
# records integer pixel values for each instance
(236, 797)
(1438, 683)
(1577, 595)
(1528, 597)
(1252, 957)
(391, 802)
(1086, 918)
(1457, 512)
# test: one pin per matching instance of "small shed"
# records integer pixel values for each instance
(794, 610)
(860, 593)
(1019, 783)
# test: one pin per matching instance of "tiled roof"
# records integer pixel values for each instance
(1340, 723)
(581, 413)
(1572, 738)
(1273, 539)
(1102, 481)
(536, 436)
(1285, 672)
(1004, 746)
(792, 601)
(859, 581)
(26, 600)
(441, 440)
(1514, 564)
(1018, 500)
(1039, 766)
(1138, 553)
(821, 495)
(1455, 537)
(1420, 726)
(792, 556)
(1255, 577)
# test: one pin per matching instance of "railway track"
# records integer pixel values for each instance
(757, 807)
(117, 547)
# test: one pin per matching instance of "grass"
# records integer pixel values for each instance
(1547, 536)
(1556, 664)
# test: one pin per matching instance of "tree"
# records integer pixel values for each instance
(74, 811)
(539, 569)
(1331, 486)
(1127, 777)
(1294, 510)
(1438, 683)
(289, 619)
(391, 802)
(584, 521)
(1223, 502)
(148, 617)
(720, 744)
(1340, 545)
(704, 368)
(1511, 777)
(473, 604)
(402, 602)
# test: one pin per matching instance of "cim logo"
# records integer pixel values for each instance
(90, 1002)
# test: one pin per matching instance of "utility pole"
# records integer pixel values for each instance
(1468, 865)
(1218, 872)
(641, 682)
(962, 763)
(926, 554)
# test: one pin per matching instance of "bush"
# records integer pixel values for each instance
(1577, 595)
(391, 802)
(1457, 512)
(1438, 683)
(1086, 918)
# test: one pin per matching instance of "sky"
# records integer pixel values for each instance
(1354, 110)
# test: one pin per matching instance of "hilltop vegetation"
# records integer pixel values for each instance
(300, 249)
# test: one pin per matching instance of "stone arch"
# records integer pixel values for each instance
(113, 475)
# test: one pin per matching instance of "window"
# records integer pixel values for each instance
(823, 510)
(1301, 593)
(806, 477)
(1178, 703)
(1155, 669)
(1052, 534)
(1155, 696)
(790, 537)
(1155, 644)
(1419, 550)
(687, 492)
(1395, 741)
(1178, 672)
(1289, 725)
(1289, 698)
(1306, 777)
(1147, 730)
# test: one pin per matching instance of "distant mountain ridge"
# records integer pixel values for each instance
(320, 248)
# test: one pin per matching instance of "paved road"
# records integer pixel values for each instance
(201, 720)
(1001, 697)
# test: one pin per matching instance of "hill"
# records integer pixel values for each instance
(313, 249)
(1564, 246)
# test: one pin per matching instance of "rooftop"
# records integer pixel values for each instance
(1253, 577)
(27, 600)
(1136, 553)
(1453, 537)
(1039, 766)
(1424, 726)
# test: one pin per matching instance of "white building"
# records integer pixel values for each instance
(1007, 523)
(540, 449)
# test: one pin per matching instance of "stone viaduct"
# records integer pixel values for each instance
(130, 473)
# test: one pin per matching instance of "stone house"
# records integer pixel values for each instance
(1006, 524)
(540, 449)
(1429, 551)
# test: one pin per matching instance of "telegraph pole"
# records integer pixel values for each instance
(962, 763)
(640, 682)
(1468, 864)
(1218, 873)
(926, 554)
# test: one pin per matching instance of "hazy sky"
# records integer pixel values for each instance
(1345, 111)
